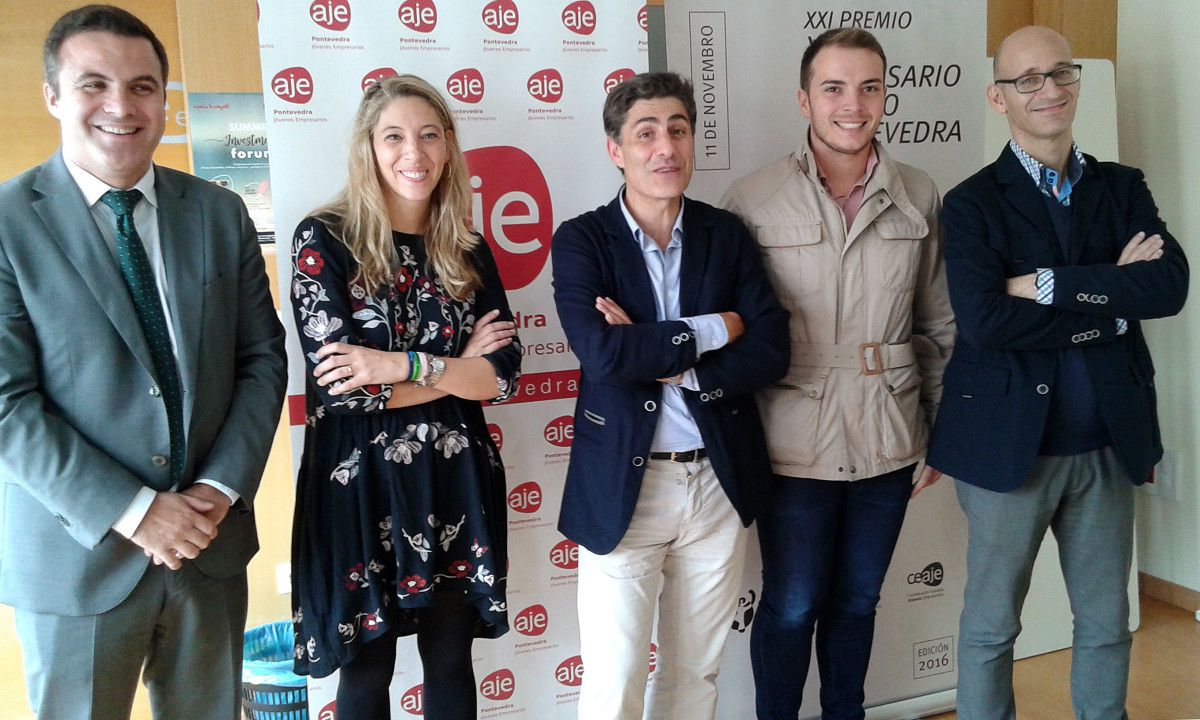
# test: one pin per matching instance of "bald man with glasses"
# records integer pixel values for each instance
(1048, 416)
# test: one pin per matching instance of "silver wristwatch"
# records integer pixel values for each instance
(433, 375)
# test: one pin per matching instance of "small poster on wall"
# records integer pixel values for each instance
(229, 148)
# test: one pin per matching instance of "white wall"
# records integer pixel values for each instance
(1158, 104)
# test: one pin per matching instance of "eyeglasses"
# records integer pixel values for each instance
(1033, 82)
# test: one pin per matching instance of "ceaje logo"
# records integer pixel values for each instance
(526, 498)
(931, 575)
(377, 75)
(565, 555)
(643, 18)
(532, 621)
(616, 77)
(331, 14)
(418, 15)
(294, 84)
(501, 16)
(546, 85)
(580, 17)
(413, 700)
(499, 685)
(466, 85)
(560, 432)
(510, 207)
(570, 671)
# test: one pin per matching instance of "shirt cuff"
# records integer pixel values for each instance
(710, 330)
(1045, 286)
(688, 379)
(225, 489)
(128, 523)
(1122, 326)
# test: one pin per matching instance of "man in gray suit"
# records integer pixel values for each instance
(141, 379)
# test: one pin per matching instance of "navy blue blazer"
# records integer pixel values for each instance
(997, 387)
(617, 410)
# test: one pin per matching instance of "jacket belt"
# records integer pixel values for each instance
(870, 358)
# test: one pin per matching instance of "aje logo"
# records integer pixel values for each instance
(570, 671)
(294, 85)
(931, 575)
(565, 555)
(510, 206)
(532, 621)
(580, 17)
(329, 712)
(499, 685)
(330, 14)
(377, 75)
(418, 15)
(526, 497)
(413, 700)
(497, 435)
(546, 85)
(560, 431)
(466, 85)
(616, 77)
(501, 16)
(643, 17)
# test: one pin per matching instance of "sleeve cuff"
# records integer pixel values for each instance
(128, 523)
(711, 333)
(1045, 286)
(689, 380)
(225, 489)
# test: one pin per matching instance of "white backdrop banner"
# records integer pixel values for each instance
(744, 59)
(526, 80)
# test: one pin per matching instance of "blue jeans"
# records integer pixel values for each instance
(826, 546)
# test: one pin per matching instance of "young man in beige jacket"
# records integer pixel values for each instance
(850, 240)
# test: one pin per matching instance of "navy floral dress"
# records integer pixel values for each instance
(392, 505)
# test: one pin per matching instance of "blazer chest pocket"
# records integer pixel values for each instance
(791, 250)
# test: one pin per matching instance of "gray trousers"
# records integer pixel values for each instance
(1087, 501)
(180, 630)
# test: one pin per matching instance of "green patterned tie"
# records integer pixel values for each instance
(139, 277)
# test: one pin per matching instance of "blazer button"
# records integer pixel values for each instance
(1102, 299)
(639, 461)
(159, 460)
(676, 340)
(703, 397)
(719, 392)
(154, 391)
(1043, 389)
(650, 406)
(1081, 297)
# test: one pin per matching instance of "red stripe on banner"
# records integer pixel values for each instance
(295, 410)
(556, 385)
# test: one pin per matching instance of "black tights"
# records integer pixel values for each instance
(444, 635)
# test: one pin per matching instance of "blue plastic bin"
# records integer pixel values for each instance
(270, 690)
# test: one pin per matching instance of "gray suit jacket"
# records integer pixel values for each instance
(79, 424)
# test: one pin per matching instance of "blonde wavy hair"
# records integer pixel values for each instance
(358, 216)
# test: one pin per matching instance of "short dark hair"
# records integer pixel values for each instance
(646, 86)
(850, 37)
(96, 18)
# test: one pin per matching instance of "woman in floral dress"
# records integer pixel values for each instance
(400, 513)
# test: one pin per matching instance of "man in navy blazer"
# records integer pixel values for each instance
(1048, 414)
(666, 304)
(141, 379)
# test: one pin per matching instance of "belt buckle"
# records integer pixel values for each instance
(685, 456)
(876, 358)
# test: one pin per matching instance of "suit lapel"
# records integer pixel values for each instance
(1085, 201)
(70, 225)
(696, 246)
(630, 264)
(1021, 193)
(180, 233)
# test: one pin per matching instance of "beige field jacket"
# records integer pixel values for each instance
(871, 323)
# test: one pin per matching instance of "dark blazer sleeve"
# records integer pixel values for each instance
(761, 355)
(977, 272)
(238, 453)
(1137, 291)
(625, 355)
